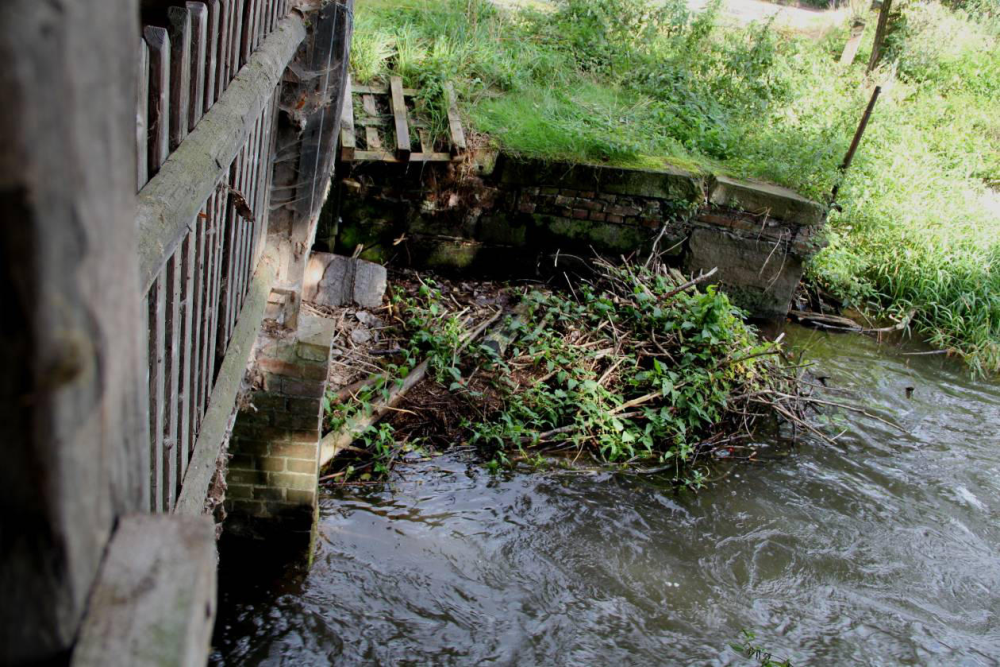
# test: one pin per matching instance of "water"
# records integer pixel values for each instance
(883, 551)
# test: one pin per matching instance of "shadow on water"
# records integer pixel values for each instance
(881, 551)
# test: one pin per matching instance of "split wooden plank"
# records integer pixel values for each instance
(369, 105)
(142, 118)
(212, 51)
(458, 145)
(154, 599)
(157, 302)
(199, 60)
(426, 145)
(398, 104)
(348, 142)
(179, 19)
(158, 42)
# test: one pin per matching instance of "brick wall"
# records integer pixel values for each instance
(273, 471)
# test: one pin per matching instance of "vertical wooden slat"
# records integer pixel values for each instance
(180, 73)
(158, 43)
(199, 60)
(216, 298)
(142, 118)
(348, 142)
(201, 267)
(257, 24)
(211, 52)
(172, 386)
(156, 302)
(264, 202)
(398, 104)
(226, 299)
(246, 35)
(186, 346)
(222, 59)
(247, 188)
(458, 145)
(236, 46)
(204, 307)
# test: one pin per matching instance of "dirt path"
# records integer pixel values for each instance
(807, 21)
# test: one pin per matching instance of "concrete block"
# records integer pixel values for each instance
(333, 280)
(761, 198)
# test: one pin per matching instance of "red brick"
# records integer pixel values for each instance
(580, 214)
(598, 216)
(617, 219)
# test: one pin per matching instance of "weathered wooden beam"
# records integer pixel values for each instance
(398, 104)
(180, 73)
(382, 90)
(72, 395)
(199, 60)
(458, 145)
(348, 142)
(154, 601)
(389, 156)
(221, 405)
(158, 43)
(171, 200)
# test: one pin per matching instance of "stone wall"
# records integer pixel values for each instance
(758, 235)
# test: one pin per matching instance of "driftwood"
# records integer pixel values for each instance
(337, 441)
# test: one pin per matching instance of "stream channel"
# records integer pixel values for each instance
(883, 551)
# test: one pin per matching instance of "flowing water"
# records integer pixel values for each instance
(883, 551)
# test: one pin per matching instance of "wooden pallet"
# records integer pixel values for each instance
(376, 126)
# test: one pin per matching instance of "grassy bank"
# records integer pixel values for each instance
(621, 82)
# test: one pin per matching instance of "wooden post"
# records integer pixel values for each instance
(72, 396)
(880, 30)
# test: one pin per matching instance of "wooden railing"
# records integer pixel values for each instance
(203, 221)
(189, 54)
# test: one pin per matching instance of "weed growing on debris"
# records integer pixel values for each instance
(631, 367)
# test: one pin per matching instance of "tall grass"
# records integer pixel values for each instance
(626, 82)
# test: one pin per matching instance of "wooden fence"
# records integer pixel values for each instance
(201, 273)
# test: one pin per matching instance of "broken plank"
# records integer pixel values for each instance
(372, 139)
(398, 104)
(458, 144)
(368, 104)
(384, 90)
(388, 156)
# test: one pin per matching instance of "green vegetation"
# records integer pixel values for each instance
(621, 82)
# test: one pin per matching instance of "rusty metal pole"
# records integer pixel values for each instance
(849, 158)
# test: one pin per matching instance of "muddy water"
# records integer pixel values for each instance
(884, 551)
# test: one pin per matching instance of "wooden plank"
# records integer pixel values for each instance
(212, 51)
(223, 399)
(229, 261)
(260, 29)
(222, 72)
(375, 121)
(171, 199)
(246, 33)
(172, 369)
(383, 90)
(236, 46)
(458, 145)
(348, 142)
(388, 156)
(179, 19)
(186, 350)
(426, 145)
(398, 104)
(158, 43)
(157, 300)
(154, 600)
(201, 267)
(142, 118)
(199, 60)
(373, 142)
(215, 290)
(369, 106)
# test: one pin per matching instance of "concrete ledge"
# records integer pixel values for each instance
(761, 198)
(154, 600)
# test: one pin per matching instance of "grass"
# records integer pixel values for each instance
(623, 82)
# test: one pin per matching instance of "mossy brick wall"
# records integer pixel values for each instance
(758, 235)
(272, 475)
